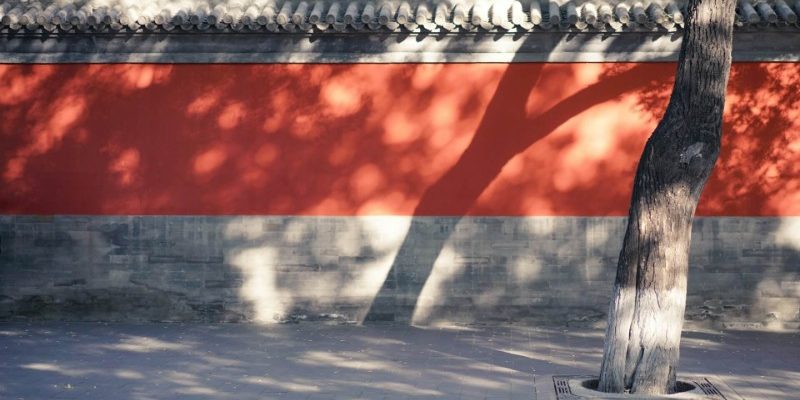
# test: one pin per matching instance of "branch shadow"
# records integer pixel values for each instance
(496, 141)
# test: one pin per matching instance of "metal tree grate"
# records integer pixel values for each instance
(563, 391)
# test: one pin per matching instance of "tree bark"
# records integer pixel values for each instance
(646, 312)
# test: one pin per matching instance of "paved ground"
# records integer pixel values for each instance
(317, 361)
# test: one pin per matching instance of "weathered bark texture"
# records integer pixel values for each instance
(646, 313)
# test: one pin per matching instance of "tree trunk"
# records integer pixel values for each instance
(646, 313)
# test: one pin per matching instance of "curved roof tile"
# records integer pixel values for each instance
(324, 16)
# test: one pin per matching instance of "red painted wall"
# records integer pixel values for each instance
(424, 139)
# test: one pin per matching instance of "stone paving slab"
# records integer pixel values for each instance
(58, 360)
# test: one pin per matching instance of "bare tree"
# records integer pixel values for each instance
(646, 313)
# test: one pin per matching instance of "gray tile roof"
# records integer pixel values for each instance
(323, 16)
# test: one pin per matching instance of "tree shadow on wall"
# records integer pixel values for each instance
(506, 130)
(757, 176)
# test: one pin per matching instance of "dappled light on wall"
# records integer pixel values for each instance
(367, 139)
(349, 259)
(759, 171)
(260, 287)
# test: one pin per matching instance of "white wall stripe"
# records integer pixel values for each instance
(375, 48)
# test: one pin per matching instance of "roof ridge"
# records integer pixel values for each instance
(325, 16)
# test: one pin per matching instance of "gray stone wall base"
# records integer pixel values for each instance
(745, 272)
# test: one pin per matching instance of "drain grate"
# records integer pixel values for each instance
(709, 388)
(569, 387)
(561, 384)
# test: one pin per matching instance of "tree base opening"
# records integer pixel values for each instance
(680, 386)
(577, 387)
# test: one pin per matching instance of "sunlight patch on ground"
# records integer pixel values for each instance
(409, 389)
(66, 371)
(128, 374)
(300, 385)
(356, 361)
(143, 344)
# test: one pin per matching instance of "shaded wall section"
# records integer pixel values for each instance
(419, 192)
